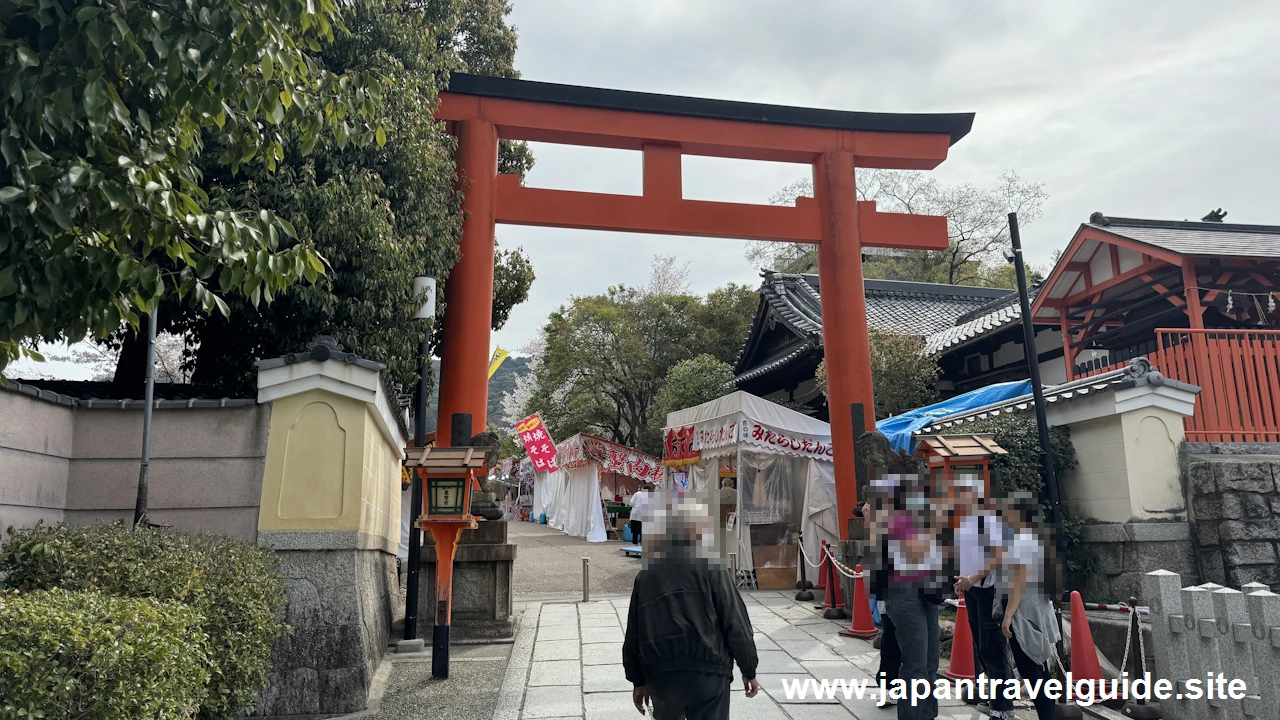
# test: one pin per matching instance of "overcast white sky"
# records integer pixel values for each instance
(1141, 109)
(1163, 110)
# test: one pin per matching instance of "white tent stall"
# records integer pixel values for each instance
(591, 470)
(782, 460)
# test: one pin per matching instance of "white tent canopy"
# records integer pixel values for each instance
(786, 454)
(570, 497)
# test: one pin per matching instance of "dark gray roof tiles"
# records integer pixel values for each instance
(98, 403)
(795, 302)
(997, 315)
(1195, 238)
(904, 307)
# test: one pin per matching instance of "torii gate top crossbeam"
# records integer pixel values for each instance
(599, 117)
(666, 127)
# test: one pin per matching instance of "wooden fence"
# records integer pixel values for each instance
(1239, 375)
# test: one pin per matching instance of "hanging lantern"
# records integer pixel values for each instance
(1271, 303)
(1230, 302)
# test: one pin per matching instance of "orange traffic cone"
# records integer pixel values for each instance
(1084, 655)
(863, 625)
(833, 599)
(961, 667)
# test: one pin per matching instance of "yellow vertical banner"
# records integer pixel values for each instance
(498, 356)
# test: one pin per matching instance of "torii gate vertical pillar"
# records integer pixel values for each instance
(844, 318)
(468, 291)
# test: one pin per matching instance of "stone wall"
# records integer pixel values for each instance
(1124, 552)
(1235, 507)
(340, 604)
(1208, 629)
(62, 458)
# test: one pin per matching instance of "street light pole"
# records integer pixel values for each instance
(424, 289)
(1047, 469)
(140, 508)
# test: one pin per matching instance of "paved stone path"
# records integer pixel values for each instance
(549, 564)
(566, 663)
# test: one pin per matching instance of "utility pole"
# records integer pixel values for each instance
(1047, 469)
(424, 289)
(140, 508)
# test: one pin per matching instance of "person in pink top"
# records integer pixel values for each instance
(915, 590)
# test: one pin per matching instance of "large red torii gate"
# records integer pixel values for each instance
(482, 110)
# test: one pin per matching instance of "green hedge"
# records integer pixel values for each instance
(232, 585)
(99, 657)
(1019, 471)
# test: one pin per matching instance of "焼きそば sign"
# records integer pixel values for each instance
(538, 443)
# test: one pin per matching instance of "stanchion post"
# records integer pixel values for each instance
(805, 594)
(586, 579)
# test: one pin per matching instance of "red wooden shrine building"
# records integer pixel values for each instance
(1197, 299)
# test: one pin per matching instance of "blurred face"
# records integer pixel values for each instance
(966, 500)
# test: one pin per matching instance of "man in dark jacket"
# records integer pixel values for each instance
(686, 627)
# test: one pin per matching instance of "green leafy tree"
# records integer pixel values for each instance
(977, 227)
(902, 374)
(723, 321)
(606, 358)
(107, 108)
(1019, 471)
(379, 214)
(690, 382)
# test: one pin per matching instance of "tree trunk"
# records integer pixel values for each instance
(130, 379)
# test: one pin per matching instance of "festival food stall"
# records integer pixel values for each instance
(590, 472)
(781, 462)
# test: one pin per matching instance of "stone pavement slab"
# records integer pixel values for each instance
(555, 672)
(551, 702)
(557, 632)
(602, 635)
(602, 654)
(581, 676)
(609, 706)
(555, 650)
(776, 661)
(604, 678)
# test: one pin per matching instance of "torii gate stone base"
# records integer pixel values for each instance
(482, 110)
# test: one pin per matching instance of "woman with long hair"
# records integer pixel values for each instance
(1030, 576)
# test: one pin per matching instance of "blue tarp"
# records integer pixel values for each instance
(900, 427)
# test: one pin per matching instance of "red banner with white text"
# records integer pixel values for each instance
(538, 443)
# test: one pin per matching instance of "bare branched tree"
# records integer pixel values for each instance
(977, 226)
(667, 276)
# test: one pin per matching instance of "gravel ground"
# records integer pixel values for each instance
(471, 692)
(549, 564)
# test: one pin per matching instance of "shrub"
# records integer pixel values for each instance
(231, 584)
(1019, 471)
(99, 657)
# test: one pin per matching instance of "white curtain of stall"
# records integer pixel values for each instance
(578, 511)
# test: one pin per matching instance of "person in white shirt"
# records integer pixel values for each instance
(639, 511)
(1030, 578)
(977, 543)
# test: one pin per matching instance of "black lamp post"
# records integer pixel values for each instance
(424, 290)
(1048, 472)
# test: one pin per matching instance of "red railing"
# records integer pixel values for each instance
(1238, 372)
